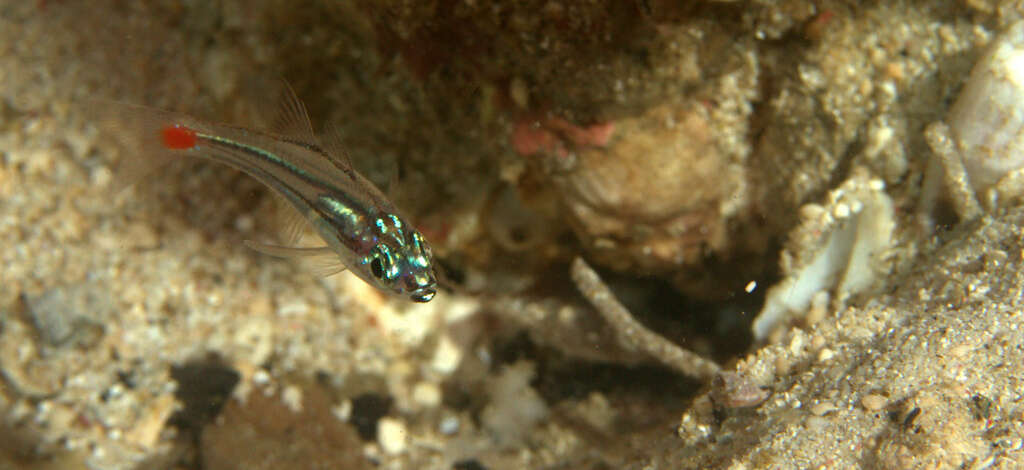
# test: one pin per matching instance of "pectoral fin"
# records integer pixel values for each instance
(288, 251)
(322, 260)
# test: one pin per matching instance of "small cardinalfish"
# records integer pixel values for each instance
(363, 231)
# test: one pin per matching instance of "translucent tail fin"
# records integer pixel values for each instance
(148, 138)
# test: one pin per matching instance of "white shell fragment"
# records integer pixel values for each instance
(987, 120)
(839, 246)
(392, 435)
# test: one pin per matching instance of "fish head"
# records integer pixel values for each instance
(402, 264)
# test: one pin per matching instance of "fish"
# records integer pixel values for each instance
(362, 230)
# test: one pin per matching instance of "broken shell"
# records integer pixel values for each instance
(844, 255)
(987, 120)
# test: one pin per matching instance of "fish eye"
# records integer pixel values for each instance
(377, 268)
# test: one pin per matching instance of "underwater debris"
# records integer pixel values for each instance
(979, 151)
(515, 408)
(631, 334)
(954, 176)
(70, 314)
(839, 246)
(733, 390)
(658, 197)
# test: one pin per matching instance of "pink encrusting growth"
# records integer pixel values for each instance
(178, 137)
(529, 138)
(551, 135)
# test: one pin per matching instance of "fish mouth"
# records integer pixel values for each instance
(423, 295)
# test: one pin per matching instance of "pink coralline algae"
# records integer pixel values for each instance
(551, 136)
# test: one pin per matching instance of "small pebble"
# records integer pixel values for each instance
(796, 344)
(447, 357)
(101, 176)
(817, 342)
(70, 315)
(782, 365)
(733, 390)
(427, 394)
(261, 377)
(292, 398)
(343, 411)
(822, 408)
(841, 211)
(872, 402)
(293, 308)
(449, 425)
(392, 435)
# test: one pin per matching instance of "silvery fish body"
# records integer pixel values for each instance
(362, 230)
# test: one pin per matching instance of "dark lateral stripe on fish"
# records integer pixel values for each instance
(330, 190)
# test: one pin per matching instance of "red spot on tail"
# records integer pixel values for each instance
(178, 138)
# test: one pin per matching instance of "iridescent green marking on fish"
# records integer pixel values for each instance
(421, 260)
(341, 210)
(349, 221)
